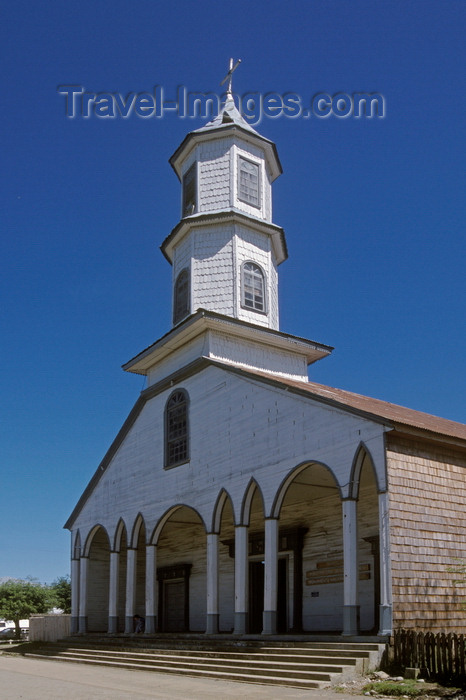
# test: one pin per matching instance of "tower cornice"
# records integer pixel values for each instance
(204, 321)
(276, 233)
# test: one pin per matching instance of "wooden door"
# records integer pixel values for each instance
(174, 606)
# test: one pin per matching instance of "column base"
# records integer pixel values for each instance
(212, 623)
(151, 624)
(82, 629)
(269, 622)
(350, 620)
(113, 625)
(74, 625)
(241, 623)
(385, 615)
(129, 624)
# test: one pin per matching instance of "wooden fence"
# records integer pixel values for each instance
(439, 656)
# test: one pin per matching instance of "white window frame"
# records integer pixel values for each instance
(256, 275)
(242, 159)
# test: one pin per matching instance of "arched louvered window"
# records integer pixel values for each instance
(177, 428)
(181, 297)
(253, 287)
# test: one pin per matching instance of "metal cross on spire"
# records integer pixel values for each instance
(229, 75)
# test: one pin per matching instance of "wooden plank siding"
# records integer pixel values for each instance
(427, 484)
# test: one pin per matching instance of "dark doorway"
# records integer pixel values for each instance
(256, 596)
(282, 597)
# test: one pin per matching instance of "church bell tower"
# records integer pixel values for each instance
(225, 250)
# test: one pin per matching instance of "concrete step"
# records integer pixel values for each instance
(304, 665)
(272, 655)
(204, 662)
(205, 673)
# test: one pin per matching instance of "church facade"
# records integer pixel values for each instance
(240, 497)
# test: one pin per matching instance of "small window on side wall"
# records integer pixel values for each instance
(253, 287)
(181, 297)
(189, 191)
(248, 182)
(176, 428)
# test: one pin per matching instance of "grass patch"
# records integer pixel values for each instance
(397, 688)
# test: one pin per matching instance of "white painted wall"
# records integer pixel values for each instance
(239, 428)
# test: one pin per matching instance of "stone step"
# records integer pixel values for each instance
(298, 664)
(206, 673)
(344, 658)
(204, 662)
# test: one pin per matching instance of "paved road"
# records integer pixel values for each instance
(40, 679)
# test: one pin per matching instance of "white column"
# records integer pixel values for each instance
(131, 571)
(385, 617)
(151, 589)
(241, 579)
(74, 596)
(113, 592)
(350, 568)
(83, 569)
(270, 577)
(212, 584)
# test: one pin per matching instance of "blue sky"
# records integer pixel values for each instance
(373, 210)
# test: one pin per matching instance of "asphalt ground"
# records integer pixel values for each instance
(24, 678)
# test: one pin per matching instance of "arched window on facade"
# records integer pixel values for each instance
(181, 297)
(253, 287)
(177, 428)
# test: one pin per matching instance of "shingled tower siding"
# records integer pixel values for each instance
(428, 533)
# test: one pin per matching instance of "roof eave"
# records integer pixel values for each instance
(204, 320)
(195, 137)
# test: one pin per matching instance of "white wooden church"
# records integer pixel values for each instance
(240, 497)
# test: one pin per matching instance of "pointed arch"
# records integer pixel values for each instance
(362, 452)
(119, 532)
(251, 489)
(222, 498)
(138, 523)
(90, 537)
(166, 516)
(283, 488)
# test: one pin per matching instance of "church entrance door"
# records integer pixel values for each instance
(174, 602)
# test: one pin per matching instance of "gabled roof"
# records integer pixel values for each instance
(392, 416)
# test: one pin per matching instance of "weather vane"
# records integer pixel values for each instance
(229, 75)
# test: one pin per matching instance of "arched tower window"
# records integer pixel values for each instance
(253, 287)
(176, 429)
(181, 297)
(189, 190)
(248, 182)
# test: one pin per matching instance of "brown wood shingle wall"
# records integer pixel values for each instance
(427, 487)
